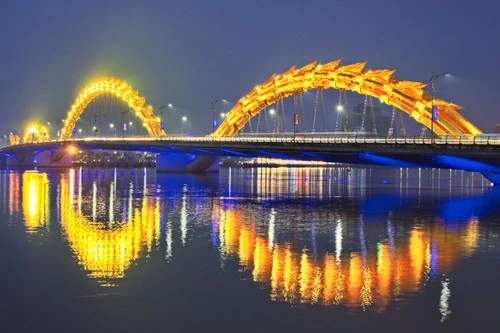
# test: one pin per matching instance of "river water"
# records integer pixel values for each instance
(249, 250)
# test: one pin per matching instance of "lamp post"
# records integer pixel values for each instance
(434, 111)
(214, 120)
(272, 113)
(340, 109)
(188, 122)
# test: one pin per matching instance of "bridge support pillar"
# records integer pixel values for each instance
(492, 177)
(22, 160)
(53, 159)
(41, 159)
(175, 162)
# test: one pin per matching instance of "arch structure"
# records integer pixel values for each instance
(408, 96)
(120, 89)
(35, 132)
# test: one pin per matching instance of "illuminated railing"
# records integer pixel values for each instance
(462, 140)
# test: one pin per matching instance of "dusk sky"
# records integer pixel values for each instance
(191, 52)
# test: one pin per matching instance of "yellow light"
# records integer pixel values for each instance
(121, 90)
(404, 95)
(35, 132)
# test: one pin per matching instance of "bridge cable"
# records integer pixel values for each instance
(346, 113)
(315, 111)
(363, 116)
(402, 130)
(258, 123)
(249, 121)
(267, 120)
(338, 108)
(294, 108)
(390, 134)
(276, 122)
(423, 132)
(372, 109)
(283, 112)
(303, 121)
(323, 110)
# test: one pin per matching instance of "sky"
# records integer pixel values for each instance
(191, 52)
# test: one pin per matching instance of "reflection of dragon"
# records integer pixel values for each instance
(293, 272)
(106, 253)
(352, 279)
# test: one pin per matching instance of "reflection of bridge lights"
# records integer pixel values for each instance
(444, 306)
(35, 191)
(104, 252)
(371, 279)
(183, 216)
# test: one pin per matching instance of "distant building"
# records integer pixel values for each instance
(374, 121)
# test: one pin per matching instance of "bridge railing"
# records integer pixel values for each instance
(484, 139)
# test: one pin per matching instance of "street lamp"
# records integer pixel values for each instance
(340, 109)
(186, 120)
(214, 105)
(434, 111)
(112, 126)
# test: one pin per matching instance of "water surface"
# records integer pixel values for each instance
(249, 250)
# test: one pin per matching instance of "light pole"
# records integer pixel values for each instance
(214, 120)
(186, 120)
(162, 123)
(272, 112)
(112, 126)
(340, 109)
(434, 111)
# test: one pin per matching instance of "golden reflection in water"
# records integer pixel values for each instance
(105, 251)
(14, 188)
(350, 279)
(35, 200)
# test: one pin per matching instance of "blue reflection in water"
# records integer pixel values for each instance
(322, 236)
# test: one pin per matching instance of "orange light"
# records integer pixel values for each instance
(406, 96)
(121, 90)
